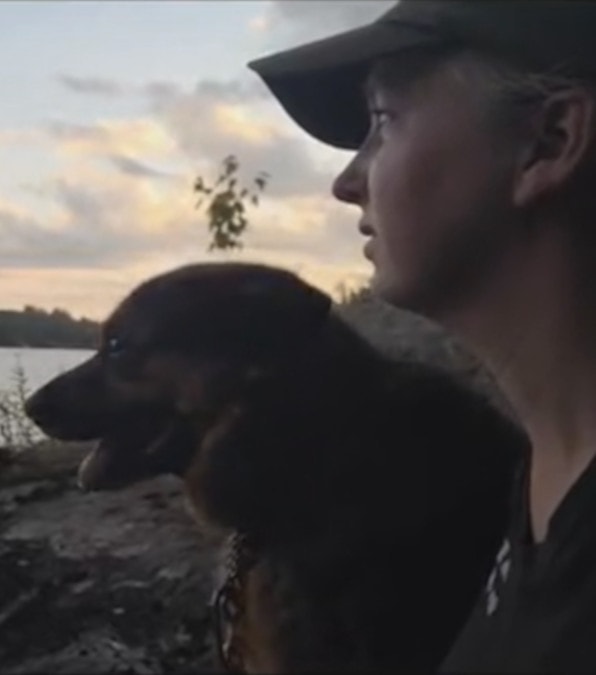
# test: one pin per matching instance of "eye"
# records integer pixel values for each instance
(379, 117)
(114, 347)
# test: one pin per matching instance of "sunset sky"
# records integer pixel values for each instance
(109, 111)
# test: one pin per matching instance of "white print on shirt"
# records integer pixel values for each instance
(498, 577)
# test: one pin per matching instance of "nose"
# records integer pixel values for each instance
(350, 184)
(60, 416)
(39, 409)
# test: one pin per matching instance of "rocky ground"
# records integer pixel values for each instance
(106, 582)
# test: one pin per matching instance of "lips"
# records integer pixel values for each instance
(368, 249)
(153, 446)
(109, 467)
(365, 228)
(118, 460)
(97, 471)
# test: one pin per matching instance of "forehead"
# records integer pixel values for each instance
(401, 72)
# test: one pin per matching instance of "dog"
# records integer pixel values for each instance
(364, 498)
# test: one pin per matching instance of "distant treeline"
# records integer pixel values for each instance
(33, 327)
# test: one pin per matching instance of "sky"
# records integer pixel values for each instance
(110, 109)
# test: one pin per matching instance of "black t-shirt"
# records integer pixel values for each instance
(537, 612)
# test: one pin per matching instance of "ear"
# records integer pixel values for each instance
(190, 394)
(285, 302)
(317, 303)
(303, 314)
(561, 135)
(207, 386)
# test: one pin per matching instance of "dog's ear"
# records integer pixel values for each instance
(287, 303)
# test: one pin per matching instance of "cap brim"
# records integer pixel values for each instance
(320, 84)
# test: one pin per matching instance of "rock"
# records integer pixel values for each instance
(113, 582)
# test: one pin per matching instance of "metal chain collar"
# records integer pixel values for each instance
(228, 604)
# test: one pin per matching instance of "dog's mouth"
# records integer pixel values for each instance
(143, 448)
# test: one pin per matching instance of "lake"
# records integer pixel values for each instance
(39, 365)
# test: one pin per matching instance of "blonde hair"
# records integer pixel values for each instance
(511, 93)
(508, 82)
(509, 90)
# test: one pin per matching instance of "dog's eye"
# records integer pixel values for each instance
(115, 347)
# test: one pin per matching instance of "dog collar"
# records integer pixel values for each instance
(228, 601)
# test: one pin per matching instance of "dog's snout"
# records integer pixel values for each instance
(60, 415)
(39, 408)
(54, 409)
(72, 406)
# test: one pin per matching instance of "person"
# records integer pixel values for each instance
(474, 126)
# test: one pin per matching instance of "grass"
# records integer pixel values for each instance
(16, 429)
(26, 454)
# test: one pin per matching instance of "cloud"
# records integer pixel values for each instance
(91, 85)
(98, 219)
(160, 90)
(211, 123)
(184, 133)
(119, 203)
(84, 292)
(20, 136)
(230, 90)
(198, 127)
(238, 91)
(314, 227)
(345, 13)
(260, 23)
(143, 136)
(189, 132)
(68, 132)
(27, 242)
(110, 201)
(306, 21)
(105, 221)
(233, 91)
(132, 167)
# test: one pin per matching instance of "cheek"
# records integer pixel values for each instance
(427, 184)
(402, 191)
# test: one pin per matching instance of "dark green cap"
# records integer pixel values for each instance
(319, 84)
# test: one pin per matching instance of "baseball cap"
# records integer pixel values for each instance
(319, 84)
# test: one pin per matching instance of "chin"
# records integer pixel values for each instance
(392, 290)
(406, 294)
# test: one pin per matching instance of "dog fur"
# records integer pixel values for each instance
(377, 491)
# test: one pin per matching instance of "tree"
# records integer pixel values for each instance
(37, 328)
(227, 215)
(347, 295)
(227, 205)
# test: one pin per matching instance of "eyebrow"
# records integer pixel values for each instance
(399, 80)
(369, 87)
(397, 75)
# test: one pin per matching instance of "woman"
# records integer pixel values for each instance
(474, 125)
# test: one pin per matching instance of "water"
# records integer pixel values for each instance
(39, 365)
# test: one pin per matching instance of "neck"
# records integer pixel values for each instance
(534, 327)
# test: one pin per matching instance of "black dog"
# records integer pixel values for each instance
(367, 497)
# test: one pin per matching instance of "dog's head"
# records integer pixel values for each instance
(171, 356)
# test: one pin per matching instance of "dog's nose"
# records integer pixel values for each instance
(59, 414)
(38, 408)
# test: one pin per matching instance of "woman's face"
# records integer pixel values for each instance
(434, 186)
